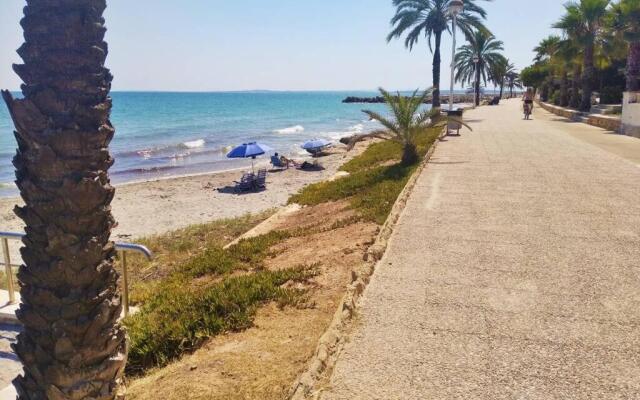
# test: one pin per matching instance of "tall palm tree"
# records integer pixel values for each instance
(626, 18)
(583, 22)
(72, 346)
(487, 49)
(566, 61)
(513, 81)
(497, 75)
(431, 18)
(547, 48)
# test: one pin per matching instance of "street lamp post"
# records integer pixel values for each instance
(455, 8)
(476, 95)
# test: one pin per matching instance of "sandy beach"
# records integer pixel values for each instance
(153, 207)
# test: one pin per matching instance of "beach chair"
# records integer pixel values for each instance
(246, 183)
(261, 180)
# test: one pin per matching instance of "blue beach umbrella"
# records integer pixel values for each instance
(316, 144)
(249, 150)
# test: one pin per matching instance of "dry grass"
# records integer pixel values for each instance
(261, 362)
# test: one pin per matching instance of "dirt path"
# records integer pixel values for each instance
(514, 273)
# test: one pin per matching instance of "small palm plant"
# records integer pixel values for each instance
(407, 122)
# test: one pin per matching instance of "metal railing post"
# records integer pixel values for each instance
(122, 249)
(125, 283)
(8, 271)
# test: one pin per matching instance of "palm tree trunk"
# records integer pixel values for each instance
(633, 67)
(437, 61)
(72, 345)
(501, 89)
(409, 154)
(588, 75)
(477, 85)
(564, 89)
(574, 101)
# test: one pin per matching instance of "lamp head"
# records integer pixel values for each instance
(456, 7)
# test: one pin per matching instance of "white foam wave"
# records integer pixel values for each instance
(194, 144)
(359, 128)
(290, 130)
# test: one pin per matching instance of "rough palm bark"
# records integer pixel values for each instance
(476, 88)
(574, 100)
(437, 61)
(73, 346)
(564, 90)
(588, 76)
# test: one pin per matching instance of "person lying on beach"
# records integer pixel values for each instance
(285, 161)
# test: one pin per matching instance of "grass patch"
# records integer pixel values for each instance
(215, 291)
(372, 189)
(175, 248)
(374, 155)
(179, 319)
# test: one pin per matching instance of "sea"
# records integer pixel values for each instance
(172, 134)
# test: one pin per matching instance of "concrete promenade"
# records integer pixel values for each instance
(514, 272)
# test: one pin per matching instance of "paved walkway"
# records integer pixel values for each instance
(514, 273)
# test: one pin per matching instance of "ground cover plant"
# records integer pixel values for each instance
(376, 179)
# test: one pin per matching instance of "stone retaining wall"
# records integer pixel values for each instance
(608, 122)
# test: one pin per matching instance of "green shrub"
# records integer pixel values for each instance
(611, 95)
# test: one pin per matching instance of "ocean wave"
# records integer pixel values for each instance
(359, 128)
(194, 144)
(290, 130)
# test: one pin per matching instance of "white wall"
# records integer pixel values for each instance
(631, 114)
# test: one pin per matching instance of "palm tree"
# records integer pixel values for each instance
(547, 48)
(431, 18)
(484, 48)
(72, 345)
(513, 81)
(565, 61)
(626, 16)
(497, 75)
(407, 123)
(583, 23)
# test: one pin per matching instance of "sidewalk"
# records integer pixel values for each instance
(514, 272)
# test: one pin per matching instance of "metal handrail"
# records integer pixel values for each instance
(122, 248)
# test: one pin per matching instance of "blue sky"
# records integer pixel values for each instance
(210, 45)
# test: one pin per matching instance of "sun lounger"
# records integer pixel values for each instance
(261, 180)
(246, 184)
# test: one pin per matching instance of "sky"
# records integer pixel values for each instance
(229, 45)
